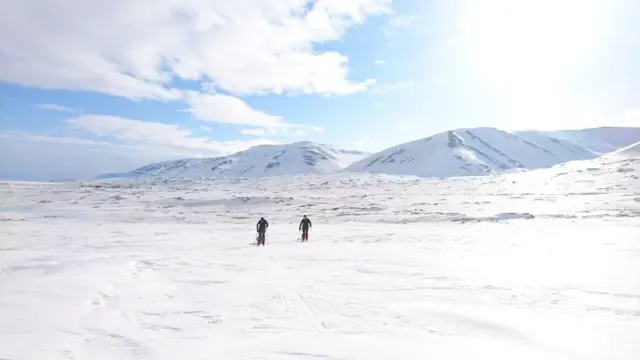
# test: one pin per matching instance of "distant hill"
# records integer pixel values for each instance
(262, 160)
(469, 151)
(600, 140)
(478, 151)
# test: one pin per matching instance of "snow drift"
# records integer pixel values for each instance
(478, 151)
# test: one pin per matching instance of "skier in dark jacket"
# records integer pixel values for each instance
(305, 224)
(261, 228)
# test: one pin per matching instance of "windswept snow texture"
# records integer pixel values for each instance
(598, 140)
(471, 152)
(264, 160)
(532, 265)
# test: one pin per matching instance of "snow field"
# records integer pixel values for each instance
(538, 265)
(354, 291)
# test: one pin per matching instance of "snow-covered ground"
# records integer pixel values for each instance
(537, 265)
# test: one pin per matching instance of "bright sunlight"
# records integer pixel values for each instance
(528, 52)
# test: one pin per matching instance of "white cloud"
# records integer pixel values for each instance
(386, 88)
(227, 109)
(380, 62)
(162, 137)
(379, 104)
(206, 128)
(243, 47)
(55, 107)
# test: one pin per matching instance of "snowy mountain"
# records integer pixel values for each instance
(478, 151)
(263, 160)
(629, 152)
(598, 140)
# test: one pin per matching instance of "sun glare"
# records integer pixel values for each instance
(527, 51)
(531, 39)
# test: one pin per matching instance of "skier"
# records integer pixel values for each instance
(305, 224)
(261, 228)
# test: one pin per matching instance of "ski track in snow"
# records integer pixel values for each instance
(538, 265)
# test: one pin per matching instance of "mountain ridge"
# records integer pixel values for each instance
(460, 152)
(600, 140)
(261, 160)
(470, 151)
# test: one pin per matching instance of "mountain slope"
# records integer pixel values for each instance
(598, 140)
(478, 151)
(263, 160)
(630, 152)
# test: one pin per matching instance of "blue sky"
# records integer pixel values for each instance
(90, 87)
